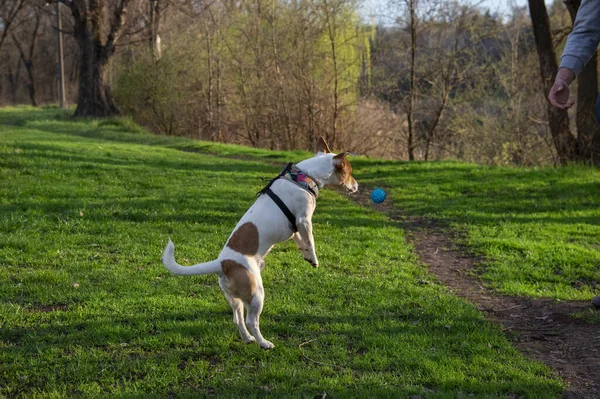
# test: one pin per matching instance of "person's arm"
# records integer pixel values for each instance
(581, 45)
(584, 38)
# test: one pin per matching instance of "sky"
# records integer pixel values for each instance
(501, 7)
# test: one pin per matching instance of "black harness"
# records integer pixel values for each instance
(289, 173)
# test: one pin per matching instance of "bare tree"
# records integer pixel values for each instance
(9, 13)
(587, 93)
(442, 41)
(446, 73)
(14, 75)
(564, 142)
(154, 13)
(27, 53)
(412, 91)
(98, 27)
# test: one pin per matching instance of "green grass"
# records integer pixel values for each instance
(537, 228)
(87, 309)
(592, 316)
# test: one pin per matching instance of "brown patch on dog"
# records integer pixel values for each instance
(343, 169)
(241, 283)
(245, 239)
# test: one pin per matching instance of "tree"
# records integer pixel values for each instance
(412, 7)
(13, 79)
(9, 13)
(434, 54)
(98, 26)
(27, 54)
(564, 142)
(520, 133)
(342, 46)
(587, 93)
(154, 12)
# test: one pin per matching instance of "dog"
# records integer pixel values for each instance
(283, 210)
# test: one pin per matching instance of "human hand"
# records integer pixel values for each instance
(559, 93)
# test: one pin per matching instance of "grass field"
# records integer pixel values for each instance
(537, 228)
(87, 309)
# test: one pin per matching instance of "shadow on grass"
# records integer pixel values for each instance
(59, 154)
(210, 211)
(359, 331)
(119, 130)
(107, 331)
(446, 174)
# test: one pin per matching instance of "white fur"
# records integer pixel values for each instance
(273, 227)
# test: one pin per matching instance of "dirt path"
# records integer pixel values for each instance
(541, 328)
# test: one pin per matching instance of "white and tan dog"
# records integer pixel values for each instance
(264, 225)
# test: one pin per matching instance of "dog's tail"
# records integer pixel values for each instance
(168, 259)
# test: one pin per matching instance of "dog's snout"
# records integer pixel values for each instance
(352, 186)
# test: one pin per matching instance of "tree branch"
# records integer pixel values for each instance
(10, 18)
(34, 35)
(18, 43)
(68, 3)
(119, 18)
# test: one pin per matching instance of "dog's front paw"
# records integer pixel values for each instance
(266, 345)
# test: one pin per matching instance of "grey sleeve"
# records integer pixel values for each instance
(584, 38)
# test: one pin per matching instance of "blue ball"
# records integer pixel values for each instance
(378, 195)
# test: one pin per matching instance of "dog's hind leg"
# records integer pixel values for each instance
(237, 306)
(252, 318)
(238, 318)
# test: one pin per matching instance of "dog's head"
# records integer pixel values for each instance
(340, 167)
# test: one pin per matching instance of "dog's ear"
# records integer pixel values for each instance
(340, 159)
(322, 146)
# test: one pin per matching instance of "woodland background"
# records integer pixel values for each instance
(428, 80)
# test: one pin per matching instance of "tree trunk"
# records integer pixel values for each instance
(30, 75)
(564, 142)
(154, 39)
(28, 58)
(412, 89)
(31, 83)
(436, 121)
(13, 80)
(587, 93)
(330, 14)
(9, 17)
(209, 90)
(93, 23)
(218, 95)
(279, 78)
(95, 97)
